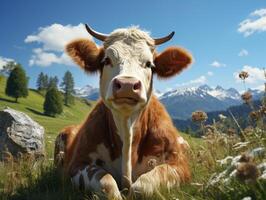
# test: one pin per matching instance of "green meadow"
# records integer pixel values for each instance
(26, 180)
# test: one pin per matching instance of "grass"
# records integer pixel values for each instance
(26, 180)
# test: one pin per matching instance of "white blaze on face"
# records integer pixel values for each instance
(128, 59)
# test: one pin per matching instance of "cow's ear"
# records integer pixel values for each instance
(86, 54)
(171, 62)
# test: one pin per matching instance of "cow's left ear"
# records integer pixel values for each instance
(86, 54)
(171, 62)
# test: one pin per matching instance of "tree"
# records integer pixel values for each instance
(53, 103)
(17, 83)
(53, 82)
(68, 87)
(45, 81)
(40, 81)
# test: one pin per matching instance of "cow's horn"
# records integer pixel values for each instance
(162, 40)
(99, 36)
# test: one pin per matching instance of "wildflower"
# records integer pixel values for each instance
(255, 115)
(247, 171)
(246, 97)
(199, 116)
(243, 75)
(222, 117)
(245, 158)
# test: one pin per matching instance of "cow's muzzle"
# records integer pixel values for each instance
(126, 90)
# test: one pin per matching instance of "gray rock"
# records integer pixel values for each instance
(20, 134)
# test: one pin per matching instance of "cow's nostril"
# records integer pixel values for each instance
(137, 86)
(117, 84)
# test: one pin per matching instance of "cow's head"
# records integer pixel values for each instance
(126, 62)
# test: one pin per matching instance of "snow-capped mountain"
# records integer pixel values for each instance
(92, 93)
(181, 102)
(88, 92)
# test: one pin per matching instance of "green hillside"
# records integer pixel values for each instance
(33, 106)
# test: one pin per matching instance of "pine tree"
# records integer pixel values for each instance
(40, 81)
(68, 87)
(53, 103)
(53, 82)
(45, 81)
(17, 83)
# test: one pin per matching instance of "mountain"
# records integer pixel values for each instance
(240, 113)
(88, 92)
(92, 93)
(180, 103)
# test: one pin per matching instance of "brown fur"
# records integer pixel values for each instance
(86, 54)
(154, 135)
(171, 62)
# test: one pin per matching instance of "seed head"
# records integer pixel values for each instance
(199, 116)
(243, 75)
(246, 97)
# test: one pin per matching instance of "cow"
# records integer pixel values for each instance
(128, 142)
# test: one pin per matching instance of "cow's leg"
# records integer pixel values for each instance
(98, 180)
(161, 175)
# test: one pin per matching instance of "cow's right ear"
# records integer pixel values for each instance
(86, 54)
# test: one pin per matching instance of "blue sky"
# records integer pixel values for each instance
(224, 37)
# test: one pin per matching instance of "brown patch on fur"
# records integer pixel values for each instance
(63, 145)
(86, 54)
(99, 128)
(171, 62)
(154, 135)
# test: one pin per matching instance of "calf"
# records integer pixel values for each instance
(128, 140)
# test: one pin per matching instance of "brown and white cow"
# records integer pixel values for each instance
(128, 140)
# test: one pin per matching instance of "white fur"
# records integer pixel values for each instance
(128, 50)
(113, 167)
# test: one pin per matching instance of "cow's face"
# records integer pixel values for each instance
(126, 76)
(127, 62)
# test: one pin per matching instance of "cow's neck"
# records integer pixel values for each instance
(125, 130)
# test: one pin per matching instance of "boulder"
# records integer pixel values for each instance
(19, 134)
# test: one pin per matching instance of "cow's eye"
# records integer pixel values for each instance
(149, 64)
(107, 61)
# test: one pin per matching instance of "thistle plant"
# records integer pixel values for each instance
(199, 117)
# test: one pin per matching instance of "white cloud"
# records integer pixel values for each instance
(260, 87)
(255, 23)
(4, 61)
(256, 75)
(43, 58)
(243, 52)
(217, 64)
(200, 80)
(52, 40)
(209, 73)
(56, 36)
(195, 82)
